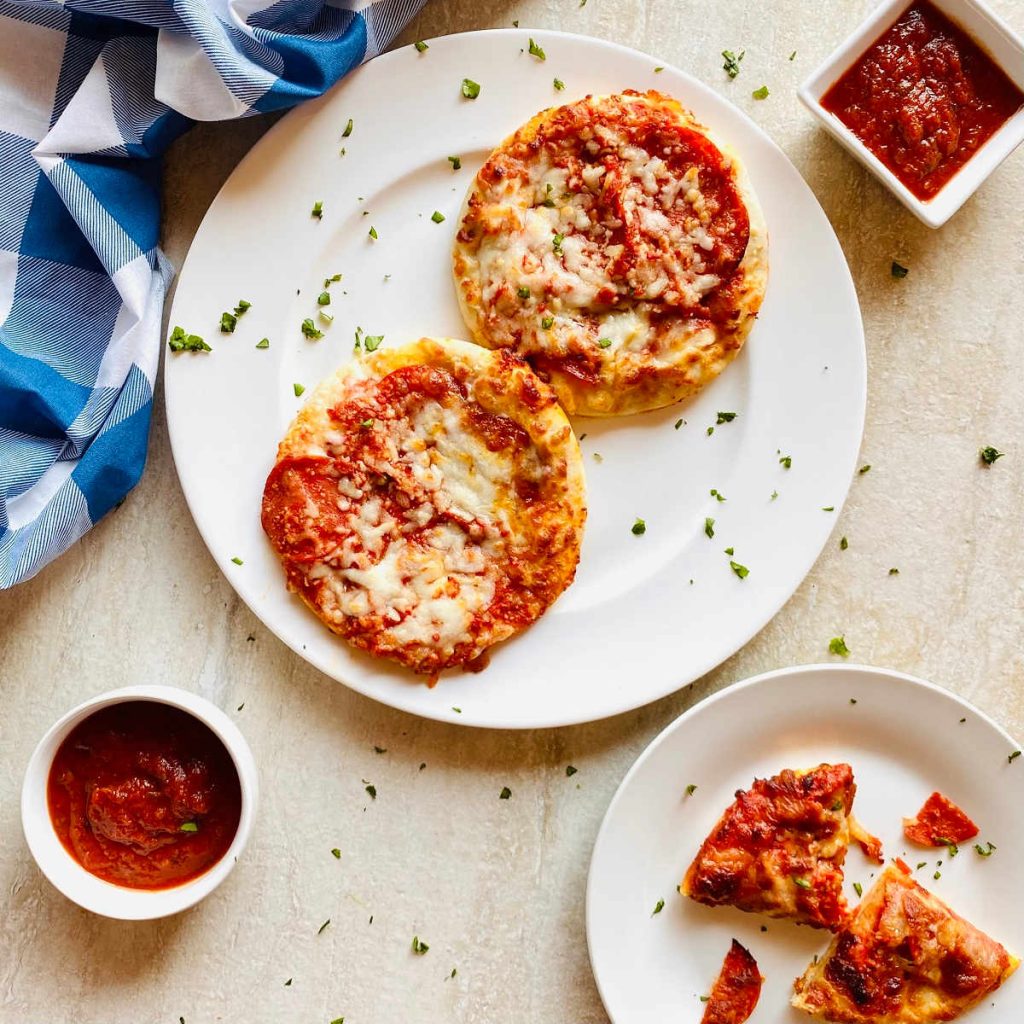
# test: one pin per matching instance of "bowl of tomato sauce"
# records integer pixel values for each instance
(138, 803)
(929, 96)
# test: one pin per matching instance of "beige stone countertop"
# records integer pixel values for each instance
(496, 887)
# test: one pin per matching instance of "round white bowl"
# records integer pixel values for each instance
(94, 893)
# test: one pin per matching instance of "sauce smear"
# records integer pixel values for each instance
(143, 795)
(924, 98)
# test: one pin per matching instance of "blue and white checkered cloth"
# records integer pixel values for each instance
(91, 94)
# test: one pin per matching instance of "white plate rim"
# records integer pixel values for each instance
(732, 691)
(469, 716)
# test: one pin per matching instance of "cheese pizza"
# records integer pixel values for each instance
(903, 958)
(616, 246)
(428, 502)
(779, 848)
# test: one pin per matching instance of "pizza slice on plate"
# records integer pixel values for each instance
(779, 848)
(903, 958)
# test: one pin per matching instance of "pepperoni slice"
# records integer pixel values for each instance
(939, 823)
(736, 990)
(295, 487)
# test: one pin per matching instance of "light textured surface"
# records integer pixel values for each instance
(496, 887)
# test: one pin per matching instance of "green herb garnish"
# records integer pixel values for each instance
(348, 129)
(709, 526)
(298, 389)
(318, 210)
(858, 889)
(536, 51)
(866, 468)
(456, 162)
(898, 270)
(505, 793)
(989, 455)
(732, 62)
(559, 85)
(984, 851)
(802, 882)
(604, 342)
(741, 570)
(310, 330)
(323, 299)
(717, 495)
(372, 790)
(786, 461)
(437, 216)
(420, 45)
(726, 417)
(179, 341)
(228, 323)
(570, 770)
(691, 789)
(639, 528)
(336, 853)
(658, 907)
(837, 645)
(373, 233)
(189, 826)
(760, 94)
(263, 343)
(419, 948)
(470, 89)
(322, 927)
(843, 543)
(237, 560)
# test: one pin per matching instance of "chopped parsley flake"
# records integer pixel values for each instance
(1013, 757)
(242, 306)
(547, 322)
(318, 210)
(523, 292)
(367, 424)
(348, 129)
(732, 62)
(866, 468)
(322, 927)
(537, 51)
(988, 455)
(730, 551)
(894, 571)
(559, 85)
(711, 430)
(802, 882)
(336, 853)
(310, 330)
(372, 790)
(658, 907)
(984, 851)
(786, 461)
(420, 45)
(287, 983)
(179, 341)
(379, 750)
(418, 947)
(604, 342)
(828, 508)
(717, 495)
(189, 826)
(858, 888)
(709, 526)
(470, 89)
(570, 770)
(556, 243)
(691, 789)
(372, 342)
(228, 323)
(333, 279)
(837, 645)
(741, 570)
(298, 389)
(263, 343)
(792, 56)
(843, 543)
(326, 317)
(505, 793)
(725, 417)
(639, 528)
(323, 299)
(937, 875)
(760, 94)
(237, 560)
(679, 423)
(659, 69)
(773, 495)
(898, 270)
(373, 233)
(437, 216)
(456, 162)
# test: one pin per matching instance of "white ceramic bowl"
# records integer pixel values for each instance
(94, 893)
(1003, 46)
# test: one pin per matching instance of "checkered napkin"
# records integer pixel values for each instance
(91, 94)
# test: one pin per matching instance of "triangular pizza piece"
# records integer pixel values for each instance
(903, 957)
(779, 848)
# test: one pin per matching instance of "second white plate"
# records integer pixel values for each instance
(903, 737)
(646, 614)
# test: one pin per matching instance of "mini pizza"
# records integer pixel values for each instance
(616, 246)
(779, 849)
(903, 958)
(428, 502)
(939, 823)
(736, 990)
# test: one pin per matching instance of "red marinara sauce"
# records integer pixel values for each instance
(143, 795)
(923, 98)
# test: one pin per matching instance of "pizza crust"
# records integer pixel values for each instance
(428, 502)
(613, 337)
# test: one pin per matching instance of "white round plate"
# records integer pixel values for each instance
(903, 737)
(798, 387)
